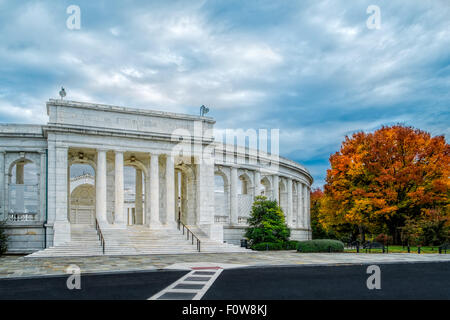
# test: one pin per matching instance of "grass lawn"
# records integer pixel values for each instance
(400, 249)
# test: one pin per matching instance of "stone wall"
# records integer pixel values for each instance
(25, 238)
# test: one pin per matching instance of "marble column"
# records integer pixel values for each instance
(154, 191)
(234, 196)
(138, 211)
(61, 183)
(257, 184)
(100, 187)
(305, 206)
(119, 212)
(61, 225)
(176, 194)
(299, 205)
(276, 188)
(308, 207)
(42, 182)
(289, 202)
(170, 190)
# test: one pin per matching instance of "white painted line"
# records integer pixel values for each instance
(169, 288)
(202, 265)
(205, 288)
(199, 292)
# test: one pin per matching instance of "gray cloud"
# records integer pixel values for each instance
(310, 68)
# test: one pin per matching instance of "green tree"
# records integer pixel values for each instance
(411, 232)
(266, 223)
(435, 226)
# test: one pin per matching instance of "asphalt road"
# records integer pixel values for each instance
(123, 286)
(398, 281)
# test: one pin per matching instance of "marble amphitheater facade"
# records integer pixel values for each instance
(181, 173)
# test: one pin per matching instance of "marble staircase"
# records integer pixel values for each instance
(134, 240)
(84, 242)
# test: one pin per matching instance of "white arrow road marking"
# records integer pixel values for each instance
(191, 286)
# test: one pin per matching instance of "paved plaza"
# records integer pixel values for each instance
(21, 266)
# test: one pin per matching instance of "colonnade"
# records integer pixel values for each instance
(296, 217)
(152, 190)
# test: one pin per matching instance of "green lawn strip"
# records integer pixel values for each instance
(399, 249)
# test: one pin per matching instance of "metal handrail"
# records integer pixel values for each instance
(100, 235)
(182, 225)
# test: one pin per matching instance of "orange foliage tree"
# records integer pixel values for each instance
(378, 180)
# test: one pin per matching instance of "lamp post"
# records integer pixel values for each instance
(203, 110)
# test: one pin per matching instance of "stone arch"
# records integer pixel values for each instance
(76, 160)
(222, 184)
(14, 163)
(23, 189)
(283, 194)
(267, 185)
(221, 197)
(245, 196)
(137, 165)
(77, 181)
(246, 184)
(82, 204)
(219, 172)
(12, 170)
(282, 185)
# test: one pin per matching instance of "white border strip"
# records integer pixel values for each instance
(199, 292)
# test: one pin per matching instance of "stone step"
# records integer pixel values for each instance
(135, 240)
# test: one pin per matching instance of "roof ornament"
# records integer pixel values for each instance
(62, 93)
(203, 110)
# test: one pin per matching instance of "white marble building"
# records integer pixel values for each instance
(181, 173)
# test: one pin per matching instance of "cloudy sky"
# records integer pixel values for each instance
(313, 69)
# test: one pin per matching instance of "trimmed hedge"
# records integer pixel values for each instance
(321, 245)
(287, 245)
(291, 245)
(268, 246)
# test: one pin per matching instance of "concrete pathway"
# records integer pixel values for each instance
(17, 266)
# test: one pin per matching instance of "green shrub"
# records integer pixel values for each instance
(3, 238)
(286, 245)
(290, 245)
(320, 245)
(266, 223)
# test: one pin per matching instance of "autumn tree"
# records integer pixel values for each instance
(345, 232)
(378, 180)
(318, 231)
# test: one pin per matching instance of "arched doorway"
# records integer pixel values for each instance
(185, 193)
(266, 188)
(82, 205)
(282, 191)
(245, 196)
(81, 198)
(221, 198)
(23, 189)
